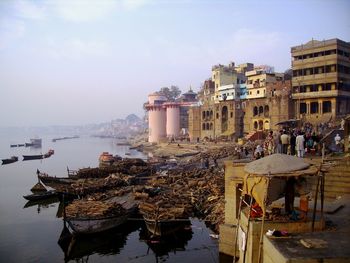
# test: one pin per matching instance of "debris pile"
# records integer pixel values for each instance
(93, 209)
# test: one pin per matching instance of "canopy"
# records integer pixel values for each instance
(276, 164)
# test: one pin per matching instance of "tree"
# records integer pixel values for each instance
(171, 94)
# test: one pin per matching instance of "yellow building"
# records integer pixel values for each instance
(321, 80)
(223, 75)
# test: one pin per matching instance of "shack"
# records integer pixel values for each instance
(255, 191)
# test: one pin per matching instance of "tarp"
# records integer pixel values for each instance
(276, 164)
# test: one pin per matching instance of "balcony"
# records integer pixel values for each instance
(316, 94)
(316, 78)
(316, 61)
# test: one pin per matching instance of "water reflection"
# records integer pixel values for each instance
(80, 247)
(42, 204)
(162, 246)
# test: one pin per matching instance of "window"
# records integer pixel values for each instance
(255, 111)
(314, 107)
(258, 91)
(203, 126)
(302, 108)
(326, 106)
(231, 114)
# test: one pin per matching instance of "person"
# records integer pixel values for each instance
(292, 143)
(337, 139)
(290, 195)
(269, 142)
(259, 152)
(277, 142)
(285, 140)
(299, 145)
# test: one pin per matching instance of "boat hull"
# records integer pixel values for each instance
(92, 226)
(10, 160)
(40, 196)
(32, 157)
(165, 227)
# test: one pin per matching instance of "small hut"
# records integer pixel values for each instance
(267, 180)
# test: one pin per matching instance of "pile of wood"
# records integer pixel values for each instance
(93, 185)
(124, 166)
(93, 209)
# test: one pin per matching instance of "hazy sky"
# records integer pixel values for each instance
(78, 62)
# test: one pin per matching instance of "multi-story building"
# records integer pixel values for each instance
(321, 80)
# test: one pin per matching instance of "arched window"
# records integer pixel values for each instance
(267, 125)
(203, 126)
(266, 110)
(207, 113)
(261, 109)
(207, 126)
(211, 114)
(261, 123)
(255, 111)
(224, 119)
(211, 126)
(203, 115)
(255, 125)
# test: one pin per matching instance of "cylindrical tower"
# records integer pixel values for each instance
(156, 117)
(172, 119)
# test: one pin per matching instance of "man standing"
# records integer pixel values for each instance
(299, 145)
(285, 140)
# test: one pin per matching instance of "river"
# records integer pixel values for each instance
(30, 233)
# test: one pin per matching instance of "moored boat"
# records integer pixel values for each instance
(10, 160)
(49, 153)
(89, 217)
(32, 157)
(40, 196)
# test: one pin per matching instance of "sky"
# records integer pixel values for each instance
(74, 62)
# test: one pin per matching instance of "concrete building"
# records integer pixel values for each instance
(167, 120)
(263, 113)
(321, 80)
(156, 117)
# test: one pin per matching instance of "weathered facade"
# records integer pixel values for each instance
(264, 113)
(321, 80)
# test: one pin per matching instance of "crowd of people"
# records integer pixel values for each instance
(294, 142)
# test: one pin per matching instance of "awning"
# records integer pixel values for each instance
(291, 121)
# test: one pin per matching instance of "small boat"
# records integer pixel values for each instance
(50, 180)
(32, 157)
(40, 196)
(49, 153)
(91, 224)
(164, 227)
(34, 143)
(13, 145)
(10, 160)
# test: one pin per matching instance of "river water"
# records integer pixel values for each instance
(30, 232)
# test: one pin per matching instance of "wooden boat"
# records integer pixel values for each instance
(96, 222)
(164, 227)
(13, 145)
(163, 220)
(10, 160)
(40, 196)
(49, 180)
(32, 157)
(49, 153)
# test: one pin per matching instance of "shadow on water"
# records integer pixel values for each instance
(42, 204)
(162, 246)
(80, 247)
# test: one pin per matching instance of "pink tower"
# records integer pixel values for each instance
(156, 117)
(172, 119)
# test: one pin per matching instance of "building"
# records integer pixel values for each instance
(267, 100)
(321, 80)
(168, 119)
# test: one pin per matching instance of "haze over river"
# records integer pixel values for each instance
(29, 233)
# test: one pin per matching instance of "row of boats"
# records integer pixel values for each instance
(100, 204)
(13, 159)
(32, 143)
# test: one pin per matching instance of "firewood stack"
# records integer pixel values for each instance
(93, 209)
